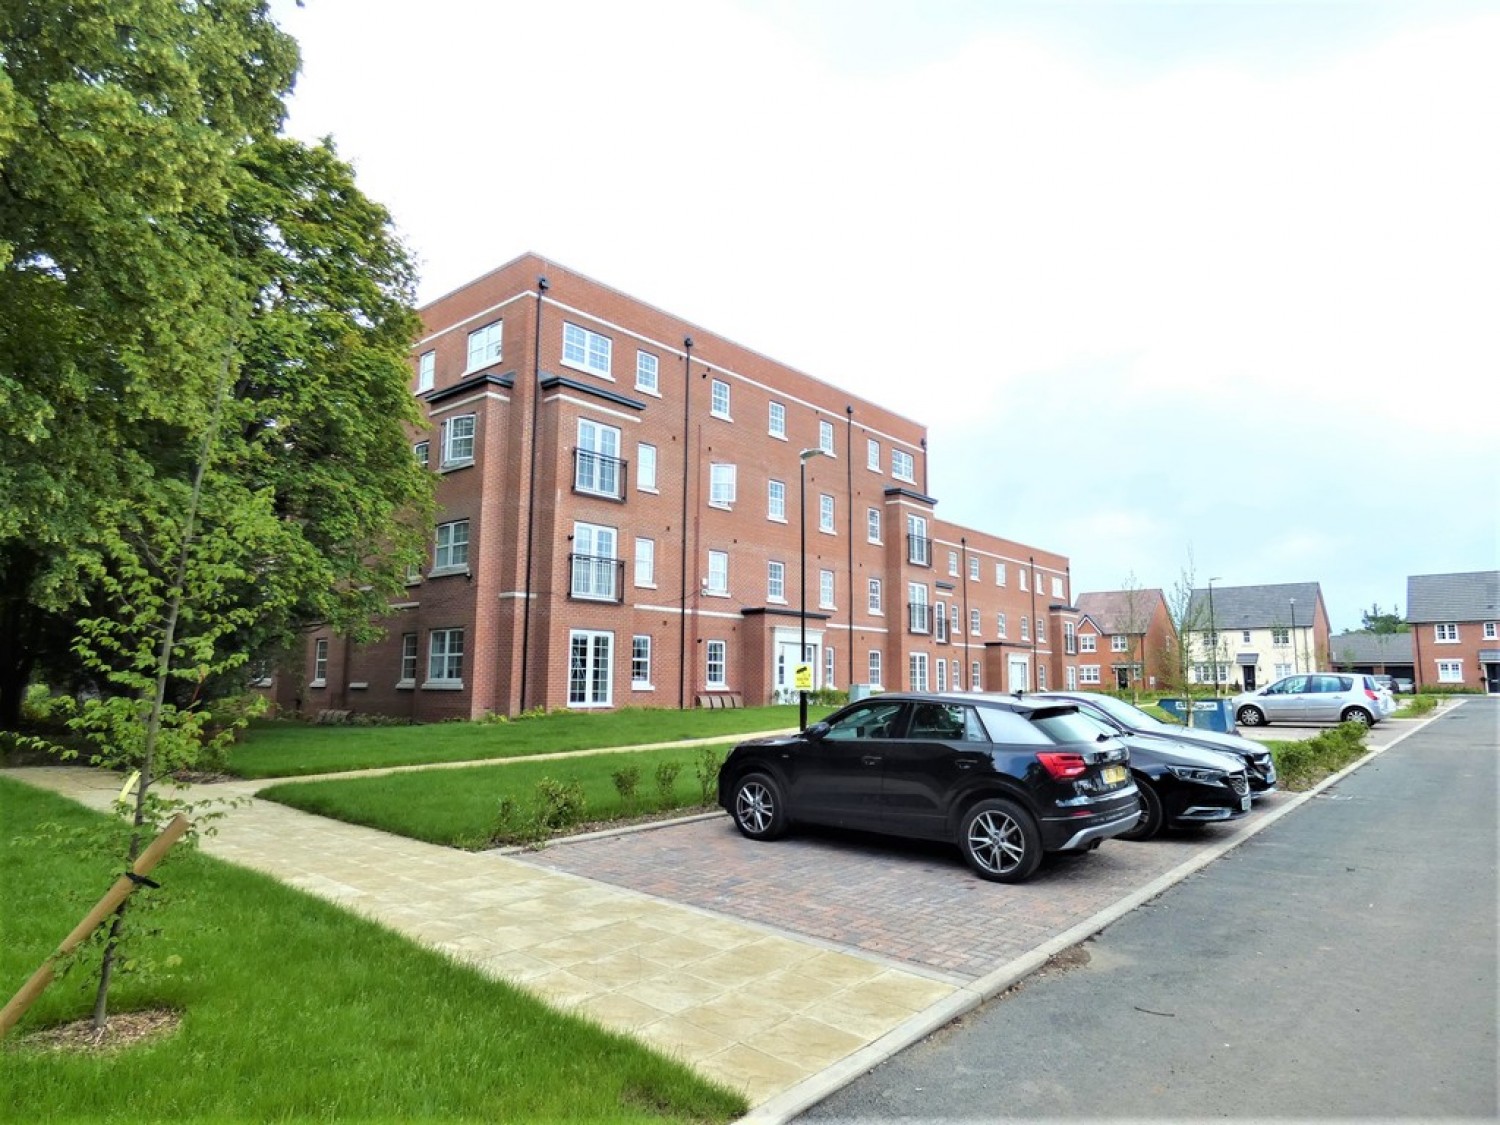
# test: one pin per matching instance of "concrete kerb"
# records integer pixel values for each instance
(807, 1093)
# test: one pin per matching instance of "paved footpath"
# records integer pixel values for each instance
(783, 970)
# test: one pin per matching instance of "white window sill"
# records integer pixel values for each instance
(645, 585)
(716, 593)
(776, 519)
(775, 601)
(720, 417)
(721, 505)
(826, 531)
(263, 682)
(443, 685)
(448, 571)
(360, 685)
(774, 434)
(405, 685)
(652, 391)
(454, 466)
(318, 683)
(635, 686)
(652, 490)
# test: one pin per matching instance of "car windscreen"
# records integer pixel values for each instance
(1128, 716)
(1068, 724)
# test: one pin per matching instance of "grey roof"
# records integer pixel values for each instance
(1110, 609)
(1257, 607)
(1363, 647)
(1474, 596)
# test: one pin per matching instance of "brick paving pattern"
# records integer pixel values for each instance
(914, 903)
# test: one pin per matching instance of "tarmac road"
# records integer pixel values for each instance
(1342, 963)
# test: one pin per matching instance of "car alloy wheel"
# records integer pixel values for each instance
(1151, 815)
(1250, 717)
(758, 809)
(1356, 715)
(1000, 841)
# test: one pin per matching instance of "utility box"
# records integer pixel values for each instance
(860, 691)
(1208, 714)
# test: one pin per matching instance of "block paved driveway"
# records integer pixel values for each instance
(912, 903)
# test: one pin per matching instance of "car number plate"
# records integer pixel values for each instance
(1113, 775)
(1244, 804)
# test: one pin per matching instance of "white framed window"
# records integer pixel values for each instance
(875, 666)
(1245, 636)
(953, 620)
(776, 425)
(775, 581)
(1041, 630)
(825, 589)
(973, 570)
(1025, 628)
(1000, 625)
(1450, 671)
(645, 562)
(445, 656)
(484, 346)
(1070, 677)
(647, 375)
(872, 455)
(942, 675)
(958, 674)
(1057, 589)
(828, 666)
(645, 467)
(594, 562)
(422, 451)
(408, 660)
(1041, 677)
(918, 546)
(716, 670)
(426, 371)
(999, 574)
(1490, 630)
(320, 663)
(587, 351)
(872, 524)
(940, 622)
(776, 501)
(640, 661)
(953, 564)
(458, 440)
(1070, 639)
(1022, 575)
(1280, 671)
(916, 598)
(825, 513)
(718, 399)
(917, 669)
(1088, 642)
(721, 485)
(718, 572)
(590, 665)
(975, 683)
(903, 466)
(597, 465)
(1445, 633)
(1088, 673)
(1281, 637)
(451, 551)
(825, 436)
(974, 626)
(875, 603)
(1119, 642)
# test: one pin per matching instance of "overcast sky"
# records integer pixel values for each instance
(1170, 281)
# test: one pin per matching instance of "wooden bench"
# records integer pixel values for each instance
(720, 700)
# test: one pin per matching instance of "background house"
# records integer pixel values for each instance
(1252, 635)
(1455, 628)
(1363, 651)
(1125, 639)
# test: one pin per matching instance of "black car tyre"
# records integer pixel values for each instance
(1250, 717)
(1151, 815)
(1356, 715)
(759, 811)
(1000, 841)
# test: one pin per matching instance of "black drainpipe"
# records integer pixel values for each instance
(1031, 559)
(536, 400)
(849, 457)
(687, 387)
(963, 576)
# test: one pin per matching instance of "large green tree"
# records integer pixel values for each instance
(157, 238)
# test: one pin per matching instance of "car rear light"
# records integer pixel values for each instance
(1063, 766)
(1371, 695)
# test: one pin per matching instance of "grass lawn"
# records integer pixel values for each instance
(459, 807)
(295, 749)
(293, 1010)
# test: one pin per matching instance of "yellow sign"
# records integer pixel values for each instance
(802, 677)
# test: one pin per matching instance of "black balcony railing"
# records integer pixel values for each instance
(919, 550)
(597, 578)
(598, 474)
(919, 617)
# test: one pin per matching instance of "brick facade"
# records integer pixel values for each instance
(546, 599)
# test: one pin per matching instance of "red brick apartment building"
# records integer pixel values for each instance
(620, 495)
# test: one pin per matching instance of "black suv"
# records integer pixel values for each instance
(1004, 779)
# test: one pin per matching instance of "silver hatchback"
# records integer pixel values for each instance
(1316, 697)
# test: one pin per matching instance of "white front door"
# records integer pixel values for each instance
(784, 658)
(1017, 675)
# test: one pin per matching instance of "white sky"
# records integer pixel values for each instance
(1170, 281)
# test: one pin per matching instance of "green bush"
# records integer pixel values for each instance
(1418, 705)
(709, 761)
(1303, 764)
(558, 803)
(666, 782)
(626, 780)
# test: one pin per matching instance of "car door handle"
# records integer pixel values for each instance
(870, 760)
(963, 764)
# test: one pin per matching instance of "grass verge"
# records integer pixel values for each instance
(1302, 764)
(295, 749)
(293, 1010)
(516, 803)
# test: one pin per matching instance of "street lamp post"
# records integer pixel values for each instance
(803, 458)
(1213, 633)
(1292, 634)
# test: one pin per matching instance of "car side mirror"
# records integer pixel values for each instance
(816, 732)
